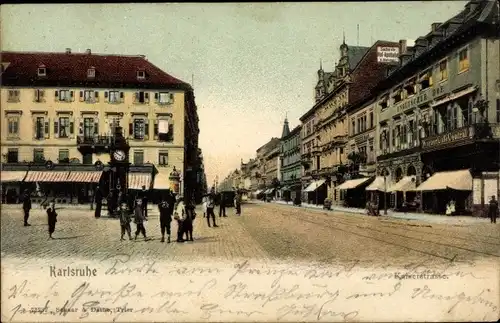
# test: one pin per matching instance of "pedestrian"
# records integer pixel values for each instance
(125, 220)
(189, 216)
(139, 220)
(210, 208)
(493, 209)
(52, 218)
(237, 203)
(166, 208)
(222, 206)
(144, 197)
(179, 216)
(98, 196)
(26, 207)
(204, 206)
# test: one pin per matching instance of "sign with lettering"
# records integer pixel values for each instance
(387, 54)
(412, 102)
(447, 138)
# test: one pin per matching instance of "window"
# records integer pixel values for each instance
(425, 79)
(435, 123)
(410, 88)
(163, 158)
(114, 96)
(138, 157)
(498, 110)
(87, 159)
(443, 70)
(138, 129)
(397, 95)
(13, 96)
(384, 103)
(42, 71)
(164, 97)
(89, 128)
(353, 126)
(39, 128)
(64, 95)
(89, 96)
(63, 127)
(39, 94)
(91, 72)
(13, 155)
(63, 156)
(412, 133)
(141, 75)
(38, 156)
(371, 120)
(463, 60)
(141, 97)
(13, 126)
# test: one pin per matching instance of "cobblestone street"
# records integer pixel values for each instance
(264, 231)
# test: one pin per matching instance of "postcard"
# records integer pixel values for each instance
(250, 162)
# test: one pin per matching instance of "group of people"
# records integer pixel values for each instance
(209, 206)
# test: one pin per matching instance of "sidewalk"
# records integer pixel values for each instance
(431, 218)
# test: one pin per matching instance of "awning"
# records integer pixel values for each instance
(46, 176)
(454, 96)
(407, 183)
(257, 192)
(161, 182)
(269, 191)
(285, 188)
(314, 185)
(137, 180)
(353, 183)
(84, 177)
(377, 185)
(460, 180)
(12, 176)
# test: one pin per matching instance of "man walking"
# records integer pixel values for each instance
(493, 210)
(210, 207)
(144, 197)
(98, 202)
(189, 216)
(222, 206)
(139, 220)
(237, 203)
(166, 208)
(26, 207)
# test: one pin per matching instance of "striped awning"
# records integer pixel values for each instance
(12, 176)
(46, 176)
(137, 180)
(85, 177)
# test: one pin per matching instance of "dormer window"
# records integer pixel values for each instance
(91, 72)
(42, 71)
(141, 75)
(397, 95)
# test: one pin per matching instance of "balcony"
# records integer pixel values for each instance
(462, 136)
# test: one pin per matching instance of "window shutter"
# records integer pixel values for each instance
(171, 98)
(156, 96)
(105, 94)
(96, 93)
(155, 129)
(71, 126)
(171, 132)
(146, 129)
(131, 129)
(72, 95)
(46, 130)
(56, 94)
(56, 129)
(34, 127)
(80, 128)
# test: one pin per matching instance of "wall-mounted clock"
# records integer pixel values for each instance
(119, 155)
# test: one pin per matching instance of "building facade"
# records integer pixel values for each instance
(266, 157)
(439, 111)
(57, 106)
(290, 159)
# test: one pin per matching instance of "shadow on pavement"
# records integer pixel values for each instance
(73, 237)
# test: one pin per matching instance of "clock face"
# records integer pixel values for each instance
(119, 155)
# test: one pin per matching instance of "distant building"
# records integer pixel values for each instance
(291, 166)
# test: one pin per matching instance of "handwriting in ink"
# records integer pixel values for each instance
(207, 310)
(120, 266)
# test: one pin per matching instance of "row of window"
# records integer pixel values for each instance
(64, 127)
(42, 72)
(425, 79)
(360, 124)
(64, 157)
(92, 96)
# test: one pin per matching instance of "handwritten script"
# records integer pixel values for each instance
(249, 291)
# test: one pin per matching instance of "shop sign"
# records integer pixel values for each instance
(413, 102)
(447, 138)
(386, 54)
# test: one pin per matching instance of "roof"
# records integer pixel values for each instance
(292, 133)
(355, 54)
(70, 69)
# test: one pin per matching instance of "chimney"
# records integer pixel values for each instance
(402, 46)
(435, 26)
(68, 50)
(88, 51)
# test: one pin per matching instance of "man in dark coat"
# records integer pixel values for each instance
(144, 198)
(222, 206)
(210, 208)
(493, 210)
(190, 215)
(166, 208)
(139, 220)
(98, 201)
(26, 207)
(52, 218)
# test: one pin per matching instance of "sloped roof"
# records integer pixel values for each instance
(355, 54)
(70, 69)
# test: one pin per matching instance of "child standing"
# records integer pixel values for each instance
(139, 220)
(52, 218)
(125, 221)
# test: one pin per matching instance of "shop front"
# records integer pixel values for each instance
(11, 185)
(316, 192)
(353, 191)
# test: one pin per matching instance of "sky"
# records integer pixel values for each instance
(251, 64)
